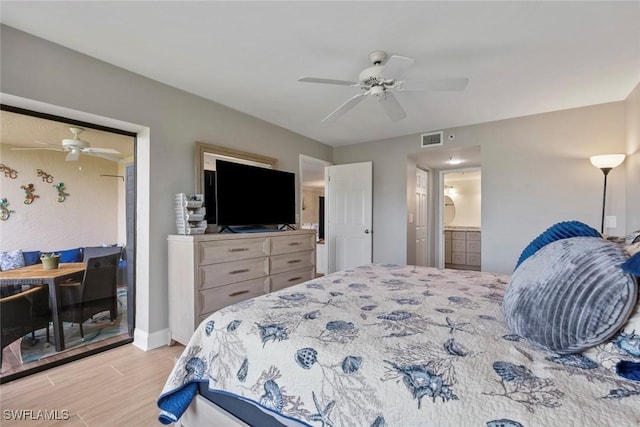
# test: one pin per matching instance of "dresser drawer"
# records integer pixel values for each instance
(473, 235)
(231, 250)
(292, 243)
(458, 235)
(214, 275)
(473, 246)
(216, 298)
(293, 261)
(290, 278)
(458, 245)
(458, 258)
(473, 259)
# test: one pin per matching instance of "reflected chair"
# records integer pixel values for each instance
(95, 294)
(94, 251)
(24, 312)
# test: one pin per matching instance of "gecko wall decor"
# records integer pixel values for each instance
(5, 212)
(29, 196)
(62, 195)
(8, 172)
(45, 176)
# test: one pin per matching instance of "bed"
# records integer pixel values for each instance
(391, 345)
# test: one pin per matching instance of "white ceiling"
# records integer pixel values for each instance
(521, 58)
(34, 132)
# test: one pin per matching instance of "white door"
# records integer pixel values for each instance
(348, 207)
(422, 254)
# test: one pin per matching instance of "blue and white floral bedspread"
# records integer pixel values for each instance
(390, 345)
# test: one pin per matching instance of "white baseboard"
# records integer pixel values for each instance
(148, 341)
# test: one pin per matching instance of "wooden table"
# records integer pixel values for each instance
(35, 275)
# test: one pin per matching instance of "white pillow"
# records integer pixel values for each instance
(11, 260)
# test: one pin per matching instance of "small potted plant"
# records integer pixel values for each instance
(50, 261)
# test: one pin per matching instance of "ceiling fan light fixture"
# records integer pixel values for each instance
(377, 90)
(383, 78)
(74, 143)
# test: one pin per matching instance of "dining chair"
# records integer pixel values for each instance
(96, 293)
(23, 312)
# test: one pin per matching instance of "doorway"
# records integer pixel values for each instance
(461, 219)
(422, 217)
(99, 190)
(311, 215)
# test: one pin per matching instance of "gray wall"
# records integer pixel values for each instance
(632, 162)
(36, 69)
(535, 172)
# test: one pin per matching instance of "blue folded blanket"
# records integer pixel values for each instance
(174, 404)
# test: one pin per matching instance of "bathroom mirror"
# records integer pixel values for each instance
(449, 210)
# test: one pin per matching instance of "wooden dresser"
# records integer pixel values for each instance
(211, 271)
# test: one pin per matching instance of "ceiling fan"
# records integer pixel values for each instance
(381, 80)
(74, 146)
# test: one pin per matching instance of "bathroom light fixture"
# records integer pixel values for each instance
(451, 161)
(606, 162)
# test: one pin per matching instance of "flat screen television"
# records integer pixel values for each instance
(253, 196)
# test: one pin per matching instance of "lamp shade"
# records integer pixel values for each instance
(607, 160)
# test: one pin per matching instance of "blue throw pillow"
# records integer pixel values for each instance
(70, 255)
(561, 230)
(32, 257)
(571, 295)
(632, 265)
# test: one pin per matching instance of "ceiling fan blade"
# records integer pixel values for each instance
(341, 110)
(37, 148)
(73, 155)
(391, 106)
(395, 67)
(43, 143)
(434, 85)
(101, 150)
(105, 156)
(327, 81)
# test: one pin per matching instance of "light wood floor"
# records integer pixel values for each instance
(12, 363)
(118, 387)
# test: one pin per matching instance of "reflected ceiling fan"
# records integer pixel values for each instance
(74, 146)
(381, 80)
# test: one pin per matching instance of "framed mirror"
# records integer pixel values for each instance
(205, 155)
(205, 160)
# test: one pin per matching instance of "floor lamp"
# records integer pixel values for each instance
(605, 163)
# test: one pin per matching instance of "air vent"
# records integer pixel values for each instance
(431, 139)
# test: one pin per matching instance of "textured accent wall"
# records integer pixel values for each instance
(87, 217)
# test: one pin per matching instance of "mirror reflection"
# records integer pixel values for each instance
(449, 210)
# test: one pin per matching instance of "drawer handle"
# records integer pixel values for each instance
(293, 261)
(295, 243)
(244, 270)
(235, 294)
(238, 249)
(293, 279)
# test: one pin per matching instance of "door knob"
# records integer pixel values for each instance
(366, 231)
